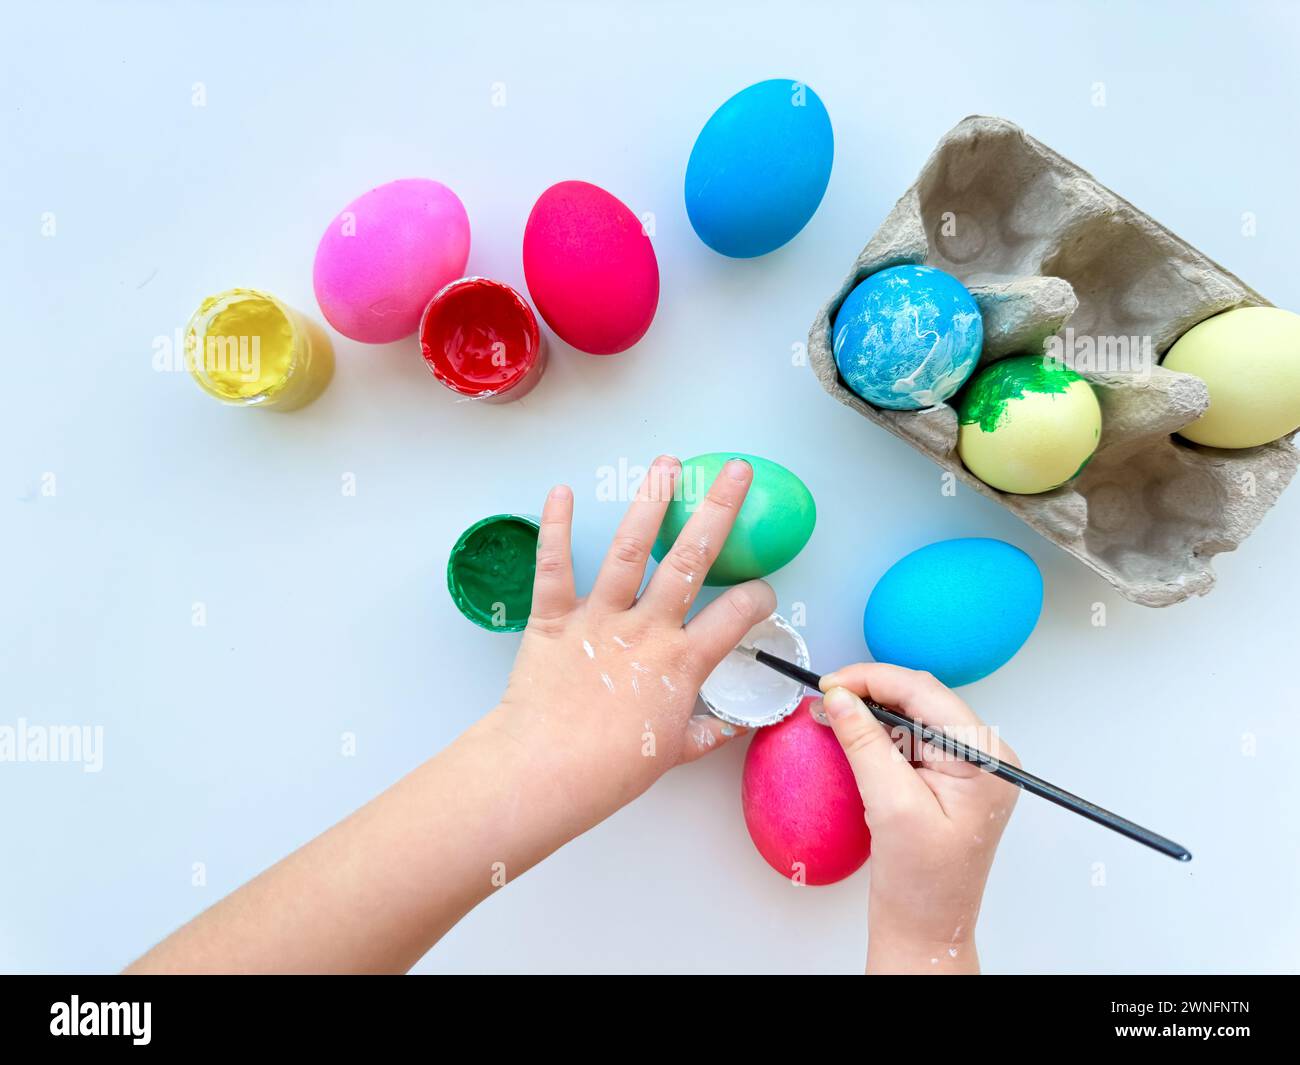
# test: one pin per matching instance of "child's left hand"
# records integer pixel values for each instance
(604, 687)
(598, 708)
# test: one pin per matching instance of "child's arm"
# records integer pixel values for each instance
(598, 707)
(935, 824)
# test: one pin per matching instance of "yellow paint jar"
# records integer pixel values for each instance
(247, 348)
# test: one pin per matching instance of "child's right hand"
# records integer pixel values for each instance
(935, 824)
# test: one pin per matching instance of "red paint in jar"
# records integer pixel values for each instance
(481, 339)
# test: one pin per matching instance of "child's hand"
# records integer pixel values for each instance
(604, 687)
(935, 823)
(598, 707)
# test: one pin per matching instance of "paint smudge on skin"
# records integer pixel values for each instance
(591, 651)
(690, 578)
(636, 686)
(728, 730)
(952, 952)
(607, 681)
(623, 643)
(637, 667)
(699, 731)
(668, 684)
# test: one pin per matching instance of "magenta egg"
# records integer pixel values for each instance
(382, 258)
(590, 268)
(801, 803)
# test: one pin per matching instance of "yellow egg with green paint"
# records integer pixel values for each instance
(1249, 359)
(1027, 424)
(773, 525)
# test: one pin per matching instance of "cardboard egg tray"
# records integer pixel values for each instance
(1047, 251)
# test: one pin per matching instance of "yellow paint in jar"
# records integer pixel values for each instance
(247, 348)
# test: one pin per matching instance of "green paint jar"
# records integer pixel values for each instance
(490, 571)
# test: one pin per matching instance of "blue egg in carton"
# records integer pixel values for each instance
(907, 337)
(1059, 264)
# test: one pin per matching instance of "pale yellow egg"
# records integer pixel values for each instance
(1027, 425)
(1249, 358)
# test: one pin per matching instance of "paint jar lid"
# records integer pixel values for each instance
(480, 338)
(744, 692)
(490, 571)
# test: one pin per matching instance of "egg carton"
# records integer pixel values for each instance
(1046, 249)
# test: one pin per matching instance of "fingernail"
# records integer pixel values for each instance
(661, 478)
(737, 469)
(841, 703)
(561, 491)
(818, 711)
(829, 681)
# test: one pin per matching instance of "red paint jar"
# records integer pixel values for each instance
(480, 338)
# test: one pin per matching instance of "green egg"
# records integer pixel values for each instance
(772, 527)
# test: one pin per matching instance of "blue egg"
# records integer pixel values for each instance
(908, 337)
(958, 609)
(759, 168)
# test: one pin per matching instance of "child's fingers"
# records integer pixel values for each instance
(705, 733)
(716, 629)
(888, 784)
(620, 574)
(918, 695)
(553, 593)
(925, 699)
(677, 581)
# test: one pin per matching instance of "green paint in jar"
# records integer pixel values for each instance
(490, 571)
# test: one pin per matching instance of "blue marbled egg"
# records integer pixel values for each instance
(759, 168)
(957, 608)
(907, 337)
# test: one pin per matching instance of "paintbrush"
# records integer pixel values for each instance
(1026, 781)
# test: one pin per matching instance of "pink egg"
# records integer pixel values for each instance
(384, 256)
(590, 268)
(802, 806)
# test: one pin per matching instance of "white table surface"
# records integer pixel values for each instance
(328, 614)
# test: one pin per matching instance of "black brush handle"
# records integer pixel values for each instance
(1027, 781)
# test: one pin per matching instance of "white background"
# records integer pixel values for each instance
(328, 614)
